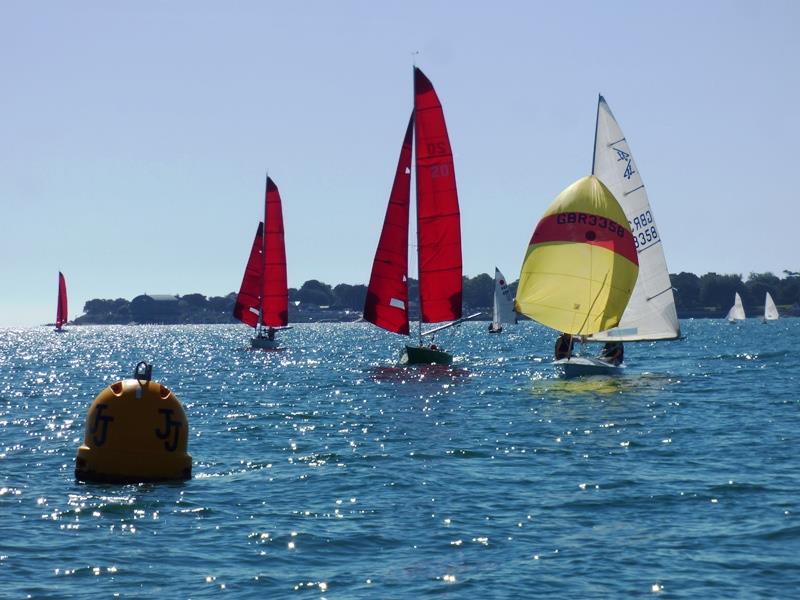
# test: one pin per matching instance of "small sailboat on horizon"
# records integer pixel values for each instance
(736, 312)
(770, 310)
(502, 304)
(438, 234)
(61, 304)
(263, 298)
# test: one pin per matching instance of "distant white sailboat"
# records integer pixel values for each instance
(651, 313)
(503, 304)
(736, 313)
(770, 310)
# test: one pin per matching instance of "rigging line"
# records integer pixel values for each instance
(669, 289)
(611, 144)
(633, 190)
(591, 306)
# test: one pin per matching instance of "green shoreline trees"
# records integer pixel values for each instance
(709, 295)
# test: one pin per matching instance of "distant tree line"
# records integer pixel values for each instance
(709, 295)
(712, 294)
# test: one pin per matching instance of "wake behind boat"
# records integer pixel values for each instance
(263, 299)
(438, 234)
(582, 366)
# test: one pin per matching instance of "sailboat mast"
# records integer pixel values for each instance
(596, 125)
(416, 190)
(263, 259)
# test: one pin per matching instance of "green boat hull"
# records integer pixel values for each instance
(421, 355)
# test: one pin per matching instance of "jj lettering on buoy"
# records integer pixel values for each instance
(136, 431)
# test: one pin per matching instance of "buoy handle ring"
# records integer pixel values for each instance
(143, 371)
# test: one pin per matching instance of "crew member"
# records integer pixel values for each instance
(613, 353)
(564, 345)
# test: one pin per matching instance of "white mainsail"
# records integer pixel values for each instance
(736, 313)
(503, 307)
(770, 310)
(650, 314)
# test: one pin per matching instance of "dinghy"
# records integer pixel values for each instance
(770, 310)
(736, 312)
(438, 234)
(263, 298)
(580, 269)
(502, 304)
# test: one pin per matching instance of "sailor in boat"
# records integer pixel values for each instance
(266, 332)
(612, 353)
(564, 346)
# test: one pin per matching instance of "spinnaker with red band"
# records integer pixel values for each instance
(581, 265)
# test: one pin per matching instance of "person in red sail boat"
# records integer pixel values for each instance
(266, 332)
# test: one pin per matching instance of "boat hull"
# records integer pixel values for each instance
(585, 366)
(421, 355)
(262, 343)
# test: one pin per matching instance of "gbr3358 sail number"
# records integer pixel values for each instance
(644, 230)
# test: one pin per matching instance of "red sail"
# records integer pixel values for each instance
(438, 217)
(248, 302)
(387, 295)
(61, 310)
(275, 292)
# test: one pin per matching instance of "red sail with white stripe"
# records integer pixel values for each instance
(438, 217)
(248, 301)
(387, 294)
(275, 307)
(61, 308)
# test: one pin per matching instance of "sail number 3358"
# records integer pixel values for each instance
(644, 230)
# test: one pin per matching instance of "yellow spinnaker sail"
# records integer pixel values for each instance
(581, 264)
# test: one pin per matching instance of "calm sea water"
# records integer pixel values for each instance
(323, 471)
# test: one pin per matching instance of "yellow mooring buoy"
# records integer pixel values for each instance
(136, 431)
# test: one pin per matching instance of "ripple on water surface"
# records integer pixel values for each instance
(324, 470)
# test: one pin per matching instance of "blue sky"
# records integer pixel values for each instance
(134, 136)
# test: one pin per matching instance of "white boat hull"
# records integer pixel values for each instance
(583, 366)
